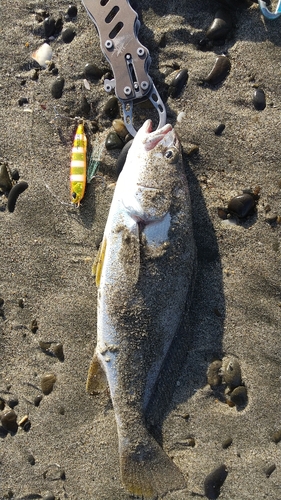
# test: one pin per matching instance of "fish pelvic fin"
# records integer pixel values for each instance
(98, 262)
(146, 470)
(96, 380)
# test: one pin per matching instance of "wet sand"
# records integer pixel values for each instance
(47, 251)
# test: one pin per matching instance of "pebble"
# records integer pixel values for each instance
(213, 374)
(113, 141)
(47, 383)
(214, 481)
(259, 100)
(111, 109)
(15, 174)
(1, 301)
(2, 404)
(239, 396)
(242, 205)
(13, 402)
(25, 423)
(178, 83)
(220, 128)
(14, 193)
(92, 72)
(68, 34)
(221, 25)
(49, 26)
(269, 470)
(5, 181)
(9, 421)
(54, 472)
(120, 127)
(71, 11)
(58, 351)
(34, 326)
(231, 372)
(31, 459)
(22, 101)
(48, 496)
(227, 443)
(219, 71)
(276, 437)
(57, 87)
(122, 157)
(37, 400)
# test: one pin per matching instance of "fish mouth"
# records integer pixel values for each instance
(153, 138)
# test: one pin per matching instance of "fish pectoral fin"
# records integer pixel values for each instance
(98, 262)
(146, 470)
(96, 380)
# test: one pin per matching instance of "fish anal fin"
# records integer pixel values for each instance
(98, 263)
(146, 470)
(96, 380)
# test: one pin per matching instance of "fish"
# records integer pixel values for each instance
(144, 273)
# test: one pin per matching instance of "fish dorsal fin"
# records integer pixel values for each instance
(98, 263)
(96, 380)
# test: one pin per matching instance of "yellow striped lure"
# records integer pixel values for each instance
(78, 165)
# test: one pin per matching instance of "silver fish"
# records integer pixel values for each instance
(144, 274)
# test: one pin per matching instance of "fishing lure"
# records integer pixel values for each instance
(78, 165)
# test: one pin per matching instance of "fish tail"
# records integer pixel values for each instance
(146, 470)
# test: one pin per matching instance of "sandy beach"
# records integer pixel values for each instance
(69, 449)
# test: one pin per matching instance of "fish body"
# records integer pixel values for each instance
(78, 166)
(144, 273)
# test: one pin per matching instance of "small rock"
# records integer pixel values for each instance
(38, 399)
(71, 11)
(12, 402)
(31, 459)
(2, 404)
(68, 34)
(49, 26)
(47, 383)
(15, 174)
(178, 83)
(22, 101)
(57, 87)
(231, 372)
(276, 437)
(120, 127)
(5, 181)
(219, 71)
(242, 205)
(9, 421)
(213, 374)
(122, 157)
(269, 470)
(92, 72)
(220, 128)
(190, 442)
(214, 481)
(227, 443)
(239, 396)
(113, 141)
(221, 25)
(34, 326)
(111, 109)
(58, 351)
(259, 100)
(49, 496)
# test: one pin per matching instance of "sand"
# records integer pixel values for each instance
(46, 254)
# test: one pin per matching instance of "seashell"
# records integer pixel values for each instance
(221, 25)
(219, 71)
(43, 55)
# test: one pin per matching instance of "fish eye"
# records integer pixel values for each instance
(74, 195)
(171, 155)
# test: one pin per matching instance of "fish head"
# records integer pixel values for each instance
(153, 163)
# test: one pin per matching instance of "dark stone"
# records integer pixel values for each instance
(68, 34)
